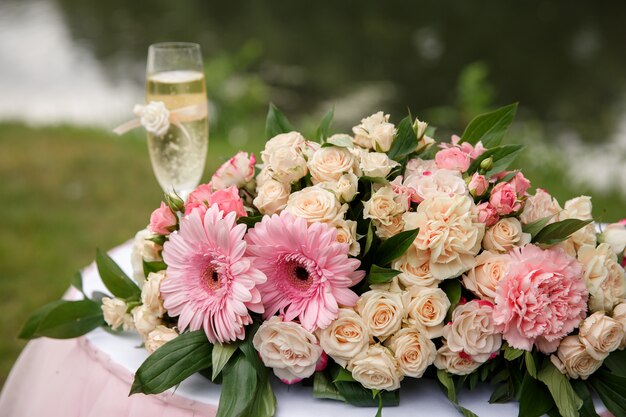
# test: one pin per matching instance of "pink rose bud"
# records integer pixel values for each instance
(487, 214)
(504, 199)
(163, 221)
(452, 158)
(478, 185)
(520, 183)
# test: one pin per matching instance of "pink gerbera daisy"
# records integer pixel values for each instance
(309, 273)
(210, 284)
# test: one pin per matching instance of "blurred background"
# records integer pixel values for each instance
(71, 70)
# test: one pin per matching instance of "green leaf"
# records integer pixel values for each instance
(322, 131)
(502, 394)
(502, 157)
(276, 123)
(68, 319)
(344, 376)
(340, 141)
(249, 221)
(221, 355)
(369, 238)
(395, 246)
(534, 400)
(380, 275)
(447, 383)
(491, 127)
(173, 362)
(263, 403)
(323, 388)
(154, 266)
(238, 383)
(29, 330)
(405, 141)
(510, 354)
(564, 396)
(559, 231)
(77, 282)
(452, 288)
(616, 363)
(536, 226)
(531, 367)
(115, 279)
(588, 409)
(612, 391)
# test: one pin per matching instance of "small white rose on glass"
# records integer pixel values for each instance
(425, 308)
(472, 331)
(115, 314)
(346, 233)
(151, 293)
(291, 351)
(381, 312)
(382, 206)
(237, 171)
(376, 368)
(330, 163)
(505, 235)
(573, 360)
(539, 206)
(145, 320)
(144, 249)
(619, 314)
(375, 132)
(601, 335)
(413, 350)
(316, 204)
(456, 363)
(154, 117)
(376, 164)
(604, 277)
(345, 338)
(272, 196)
(158, 337)
(483, 279)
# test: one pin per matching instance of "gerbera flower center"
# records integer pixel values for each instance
(211, 278)
(298, 274)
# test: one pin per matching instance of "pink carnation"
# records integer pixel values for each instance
(237, 171)
(162, 220)
(542, 298)
(309, 273)
(227, 200)
(453, 159)
(504, 199)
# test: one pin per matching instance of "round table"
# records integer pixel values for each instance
(91, 377)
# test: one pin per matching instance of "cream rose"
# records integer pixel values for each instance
(539, 206)
(382, 206)
(144, 249)
(425, 308)
(375, 132)
(144, 320)
(604, 277)
(601, 335)
(472, 331)
(272, 196)
(619, 314)
(483, 279)
(578, 208)
(346, 233)
(449, 232)
(381, 312)
(154, 117)
(615, 236)
(505, 235)
(115, 313)
(158, 337)
(454, 362)
(395, 226)
(430, 184)
(376, 368)
(413, 350)
(151, 293)
(284, 156)
(345, 338)
(376, 164)
(330, 163)
(415, 267)
(287, 348)
(573, 359)
(315, 204)
(345, 189)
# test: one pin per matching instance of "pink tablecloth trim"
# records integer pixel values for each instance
(72, 378)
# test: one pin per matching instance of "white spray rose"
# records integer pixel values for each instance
(418, 166)
(158, 337)
(413, 350)
(154, 117)
(505, 235)
(345, 338)
(375, 132)
(382, 206)
(619, 314)
(381, 312)
(539, 206)
(272, 196)
(455, 362)
(483, 279)
(376, 164)
(573, 359)
(578, 208)
(144, 250)
(345, 188)
(315, 204)
(284, 156)
(604, 277)
(395, 225)
(151, 293)
(425, 308)
(115, 313)
(430, 184)
(376, 368)
(330, 163)
(415, 267)
(601, 335)
(346, 233)
(144, 320)
(615, 235)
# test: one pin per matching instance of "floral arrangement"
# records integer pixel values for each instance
(352, 262)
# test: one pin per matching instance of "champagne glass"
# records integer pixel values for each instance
(175, 77)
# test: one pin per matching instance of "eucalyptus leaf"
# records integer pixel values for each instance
(405, 141)
(173, 362)
(490, 128)
(559, 231)
(380, 275)
(322, 131)
(239, 382)
(564, 396)
(395, 246)
(67, 320)
(115, 279)
(535, 227)
(220, 356)
(276, 123)
(502, 156)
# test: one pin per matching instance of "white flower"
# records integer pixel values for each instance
(615, 235)
(601, 335)
(425, 308)
(315, 204)
(376, 164)
(284, 157)
(473, 331)
(144, 249)
(151, 293)
(604, 277)
(145, 320)
(442, 182)
(418, 167)
(449, 232)
(415, 267)
(154, 117)
(483, 279)
(381, 312)
(455, 362)
(330, 163)
(619, 314)
(272, 196)
(345, 188)
(346, 233)
(383, 206)
(578, 208)
(539, 206)
(287, 348)
(115, 313)
(376, 368)
(413, 350)
(375, 132)
(395, 225)
(573, 359)
(505, 235)
(158, 337)
(345, 338)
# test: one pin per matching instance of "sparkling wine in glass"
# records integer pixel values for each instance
(175, 77)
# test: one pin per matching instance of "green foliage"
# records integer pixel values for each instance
(534, 400)
(452, 288)
(115, 279)
(611, 389)
(564, 396)
(395, 246)
(154, 266)
(447, 384)
(276, 123)
(239, 381)
(221, 355)
(405, 141)
(249, 221)
(63, 320)
(341, 141)
(502, 157)
(323, 129)
(535, 227)
(491, 127)
(510, 354)
(324, 388)
(559, 231)
(380, 275)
